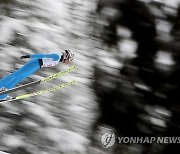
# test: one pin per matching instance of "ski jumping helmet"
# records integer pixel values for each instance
(68, 55)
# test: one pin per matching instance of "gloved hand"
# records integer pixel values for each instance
(26, 56)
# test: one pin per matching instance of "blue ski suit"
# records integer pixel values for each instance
(36, 62)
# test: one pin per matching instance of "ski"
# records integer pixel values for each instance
(39, 81)
(39, 92)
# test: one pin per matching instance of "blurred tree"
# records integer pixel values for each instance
(174, 92)
(140, 82)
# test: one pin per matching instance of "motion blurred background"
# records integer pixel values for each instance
(127, 55)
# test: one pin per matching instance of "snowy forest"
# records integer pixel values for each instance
(127, 56)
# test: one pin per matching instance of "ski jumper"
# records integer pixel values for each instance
(36, 62)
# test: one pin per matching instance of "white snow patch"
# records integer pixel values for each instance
(76, 109)
(127, 48)
(170, 3)
(29, 123)
(124, 32)
(164, 58)
(54, 8)
(163, 111)
(109, 11)
(66, 140)
(1, 152)
(141, 86)
(158, 122)
(44, 114)
(163, 26)
(42, 42)
(13, 141)
(8, 27)
(111, 62)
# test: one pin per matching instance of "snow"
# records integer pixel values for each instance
(113, 63)
(1, 152)
(29, 123)
(8, 26)
(67, 141)
(158, 122)
(124, 32)
(171, 3)
(127, 48)
(13, 141)
(164, 58)
(141, 86)
(43, 113)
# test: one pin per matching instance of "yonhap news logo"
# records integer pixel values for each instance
(108, 139)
